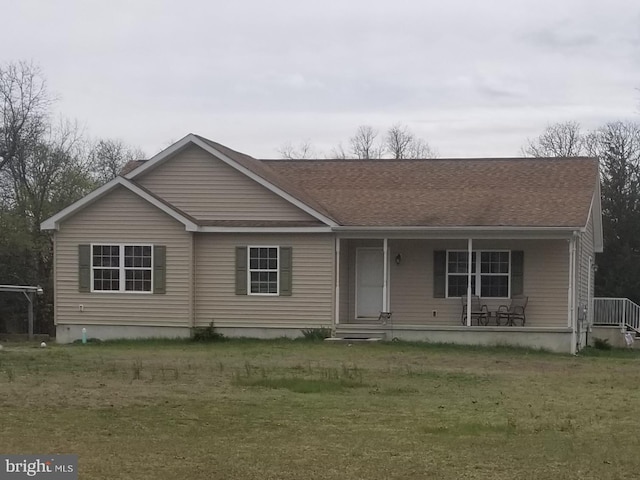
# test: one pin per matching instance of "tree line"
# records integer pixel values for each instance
(46, 163)
(398, 142)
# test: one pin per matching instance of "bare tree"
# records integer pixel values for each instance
(363, 143)
(402, 143)
(398, 141)
(24, 108)
(339, 153)
(108, 156)
(304, 150)
(558, 140)
(421, 149)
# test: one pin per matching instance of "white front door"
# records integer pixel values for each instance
(369, 282)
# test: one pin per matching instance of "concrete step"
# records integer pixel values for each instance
(351, 340)
(360, 332)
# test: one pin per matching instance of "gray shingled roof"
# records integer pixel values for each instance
(491, 192)
(516, 192)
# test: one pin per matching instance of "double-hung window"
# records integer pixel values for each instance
(121, 268)
(263, 270)
(490, 273)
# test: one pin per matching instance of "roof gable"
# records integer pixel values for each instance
(208, 189)
(250, 167)
(53, 223)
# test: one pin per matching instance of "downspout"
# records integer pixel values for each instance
(589, 301)
(469, 268)
(193, 275)
(337, 295)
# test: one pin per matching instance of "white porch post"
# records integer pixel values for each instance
(571, 288)
(337, 306)
(469, 268)
(385, 273)
(572, 321)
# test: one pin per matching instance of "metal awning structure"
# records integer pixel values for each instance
(29, 293)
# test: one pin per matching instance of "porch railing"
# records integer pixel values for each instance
(616, 311)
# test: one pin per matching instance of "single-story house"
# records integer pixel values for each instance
(203, 234)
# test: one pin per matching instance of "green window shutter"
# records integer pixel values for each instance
(285, 271)
(159, 269)
(439, 273)
(517, 272)
(241, 270)
(84, 268)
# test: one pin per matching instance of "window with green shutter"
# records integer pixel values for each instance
(264, 270)
(109, 267)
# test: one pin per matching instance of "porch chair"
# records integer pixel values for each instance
(513, 312)
(479, 313)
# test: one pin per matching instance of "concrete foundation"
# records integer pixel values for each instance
(554, 340)
(71, 333)
(610, 333)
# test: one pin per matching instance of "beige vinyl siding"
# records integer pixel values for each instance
(122, 217)
(546, 274)
(309, 306)
(209, 189)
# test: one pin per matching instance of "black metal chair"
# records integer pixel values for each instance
(513, 312)
(479, 313)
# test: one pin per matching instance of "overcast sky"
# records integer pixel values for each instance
(473, 78)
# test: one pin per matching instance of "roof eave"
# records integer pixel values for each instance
(505, 232)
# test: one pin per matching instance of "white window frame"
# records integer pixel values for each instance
(249, 270)
(478, 274)
(122, 269)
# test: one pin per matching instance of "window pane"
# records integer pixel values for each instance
(494, 262)
(106, 279)
(138, 280)
(105, 256)
(458, 262)
(458, 285)
(494, 286)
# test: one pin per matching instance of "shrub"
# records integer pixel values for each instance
(314, 334)
(601, 344)
(207, 334)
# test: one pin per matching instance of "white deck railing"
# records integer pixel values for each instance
(616, 311)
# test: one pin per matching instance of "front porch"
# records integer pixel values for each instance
(420, 281)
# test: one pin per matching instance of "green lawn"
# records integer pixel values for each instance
(304, 410)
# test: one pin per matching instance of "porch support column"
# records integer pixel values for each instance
(385, 273)
(337, 299)
(572, 321)
(469, 269)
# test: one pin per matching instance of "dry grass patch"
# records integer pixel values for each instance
(291, 410)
